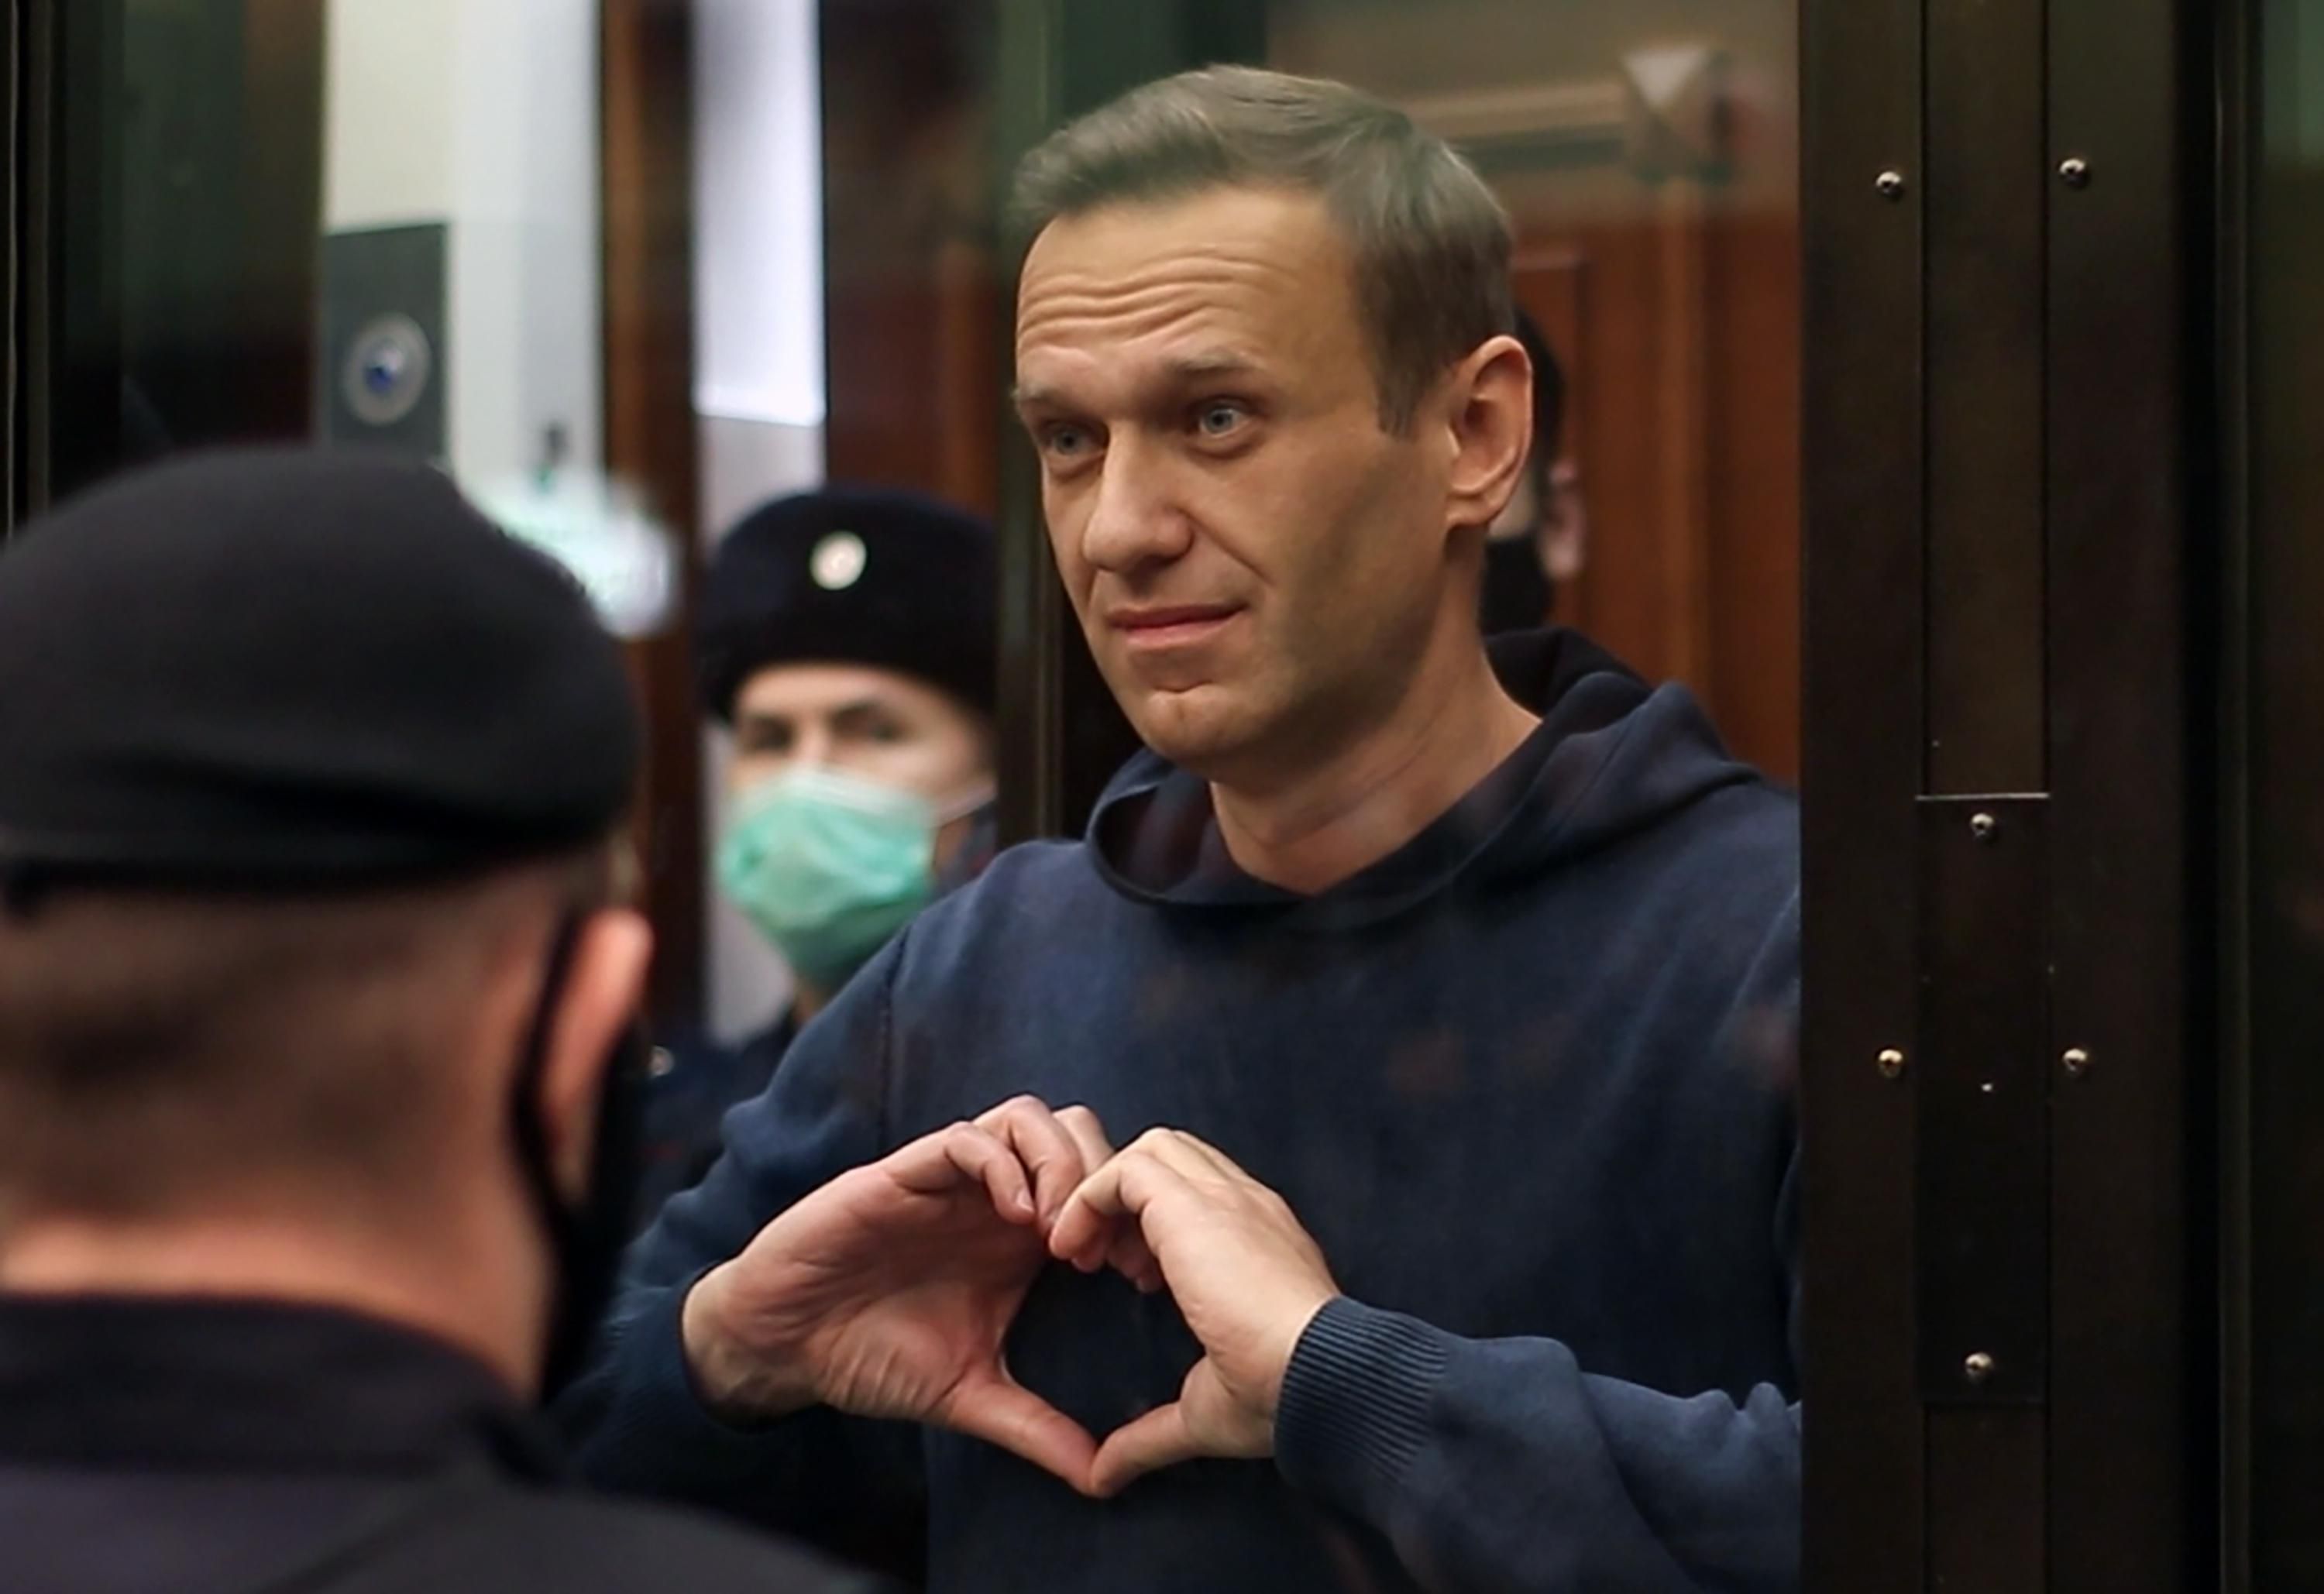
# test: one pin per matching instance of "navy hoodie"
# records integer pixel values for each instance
(1529, 1081)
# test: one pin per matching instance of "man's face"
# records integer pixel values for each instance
(876, 723)
(1255, 561)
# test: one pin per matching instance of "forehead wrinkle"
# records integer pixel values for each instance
(1144, 322)
(1151, 386)
(1208, 268)
(1076, 297)
(1122, 326)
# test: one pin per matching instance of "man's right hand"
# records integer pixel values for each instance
(889, 1292)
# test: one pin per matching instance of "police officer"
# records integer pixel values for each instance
(846, 637)
(318, 1006)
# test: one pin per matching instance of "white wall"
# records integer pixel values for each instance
(483, 114)
(389, 133)
(758, 193)
(759, 386)
(743, 463)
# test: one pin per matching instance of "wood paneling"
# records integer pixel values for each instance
(1677, 334)
(911, 288)
(646, 119)
(1647, 155)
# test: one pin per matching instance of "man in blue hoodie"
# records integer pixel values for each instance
(1443, 1002)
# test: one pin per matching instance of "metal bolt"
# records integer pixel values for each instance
(2075, 171)
(1983, 826)
(1892, 1063)
(1890, 184)
(1977, 1367)
(2077, 1062)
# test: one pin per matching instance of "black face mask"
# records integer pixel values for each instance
(1517, 592)
(586, 1235)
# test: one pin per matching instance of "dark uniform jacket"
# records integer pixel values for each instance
(237, 1448)
(695, 1082)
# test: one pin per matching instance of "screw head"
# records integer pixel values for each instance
(384, 369)
(2075, 171)
(2077, 1060)
(1891, 1063)
(1983, 826)
(1889, 185)
(1978, 1366)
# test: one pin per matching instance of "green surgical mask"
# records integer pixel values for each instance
(829, 866)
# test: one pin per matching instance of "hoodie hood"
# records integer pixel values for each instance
(1611, 756)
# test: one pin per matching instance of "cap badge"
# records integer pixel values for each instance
(838, 561)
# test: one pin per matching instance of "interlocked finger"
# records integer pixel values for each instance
(1126, 1253)
(1053, 1156)
(1088, 1134)
(1118, 1192)
(941, 1161)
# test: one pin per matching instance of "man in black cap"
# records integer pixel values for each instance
(846, 637)
(318, 1018)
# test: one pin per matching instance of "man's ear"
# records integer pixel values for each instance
(1490, 417)
(604, 990)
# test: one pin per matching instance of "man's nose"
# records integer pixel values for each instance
(814, 748)
(1136, 519)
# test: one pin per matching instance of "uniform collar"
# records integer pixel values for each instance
(247, 1385)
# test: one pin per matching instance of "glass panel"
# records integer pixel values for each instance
(843, 216)
(380, 223)
(358, 221)
(2286, 788)
(345, 222)
(449, 228)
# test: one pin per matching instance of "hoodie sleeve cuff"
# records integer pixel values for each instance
(669, 1413)
(1356, 1404)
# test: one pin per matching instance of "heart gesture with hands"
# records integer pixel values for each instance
(889, 1291)
(1247, 1276)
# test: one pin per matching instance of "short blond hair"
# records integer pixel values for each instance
(1429, 242)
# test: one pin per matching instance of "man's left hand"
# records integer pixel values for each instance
(1246, 1276)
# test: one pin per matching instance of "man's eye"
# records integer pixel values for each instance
(1221, 419)
(1066, 442)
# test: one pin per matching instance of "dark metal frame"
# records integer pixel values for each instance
(1862, 570)
(66, 308)
(2006, 816)
(2131, 643)
(2235, 58)
(12, 73)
